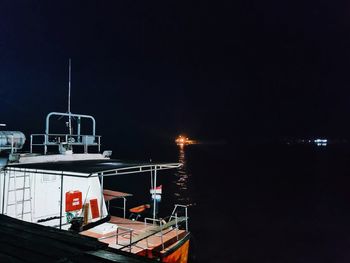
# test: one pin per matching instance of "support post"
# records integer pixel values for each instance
(12, 143)
(61, 200)
(101, 203)
(3, 193)
(46, 141)
(31, 143)
(79, 124)
(99, 144)
(154, 193)
(124, 200)
(186, 219)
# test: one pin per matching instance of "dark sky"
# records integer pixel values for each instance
(211, 69)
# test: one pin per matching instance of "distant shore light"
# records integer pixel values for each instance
(321, 142)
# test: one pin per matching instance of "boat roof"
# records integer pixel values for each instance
(107, 167)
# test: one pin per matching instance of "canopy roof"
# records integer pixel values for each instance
(87, 168)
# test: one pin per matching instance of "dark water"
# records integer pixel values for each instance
(258, 203)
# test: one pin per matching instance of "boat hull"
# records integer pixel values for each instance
(180, 255)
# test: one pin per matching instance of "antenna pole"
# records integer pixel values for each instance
(69, 85)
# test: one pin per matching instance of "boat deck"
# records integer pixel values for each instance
(144, 238)
(23, 242)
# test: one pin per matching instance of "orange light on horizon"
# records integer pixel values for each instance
(182, 140)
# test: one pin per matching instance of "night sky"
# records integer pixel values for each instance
(214, 70)
(218, 71)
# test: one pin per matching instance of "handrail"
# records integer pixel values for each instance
(154, 230)
(126, 230)
(174, 214)
(161, 228)
(11, 140)
(57, 139)
(69, 115)
(141, 168)
(68, 139)
(153, 219)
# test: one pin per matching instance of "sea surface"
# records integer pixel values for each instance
(256, 202)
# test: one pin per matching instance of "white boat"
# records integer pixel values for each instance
(66, 190)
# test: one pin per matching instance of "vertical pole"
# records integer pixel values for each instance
(99, 144)
(152, 180)
(24, 191)
(3, 195)
(31, 143)
(85, 145)
(177, 227)
(12, 144)
(101, 195)
(15, 191)
(130, 240)
(124, 205)
(79, 123)
(186, 219)
(8, 190)
(154, 193)
(61, 200)
(69, 85)
(46, 141)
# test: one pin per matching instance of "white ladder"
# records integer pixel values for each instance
(21, 195)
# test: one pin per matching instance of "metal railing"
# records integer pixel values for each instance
(11, 142)
(175, 212)
(11, 147)
(60, 140)
(125, 231)
(161, 228)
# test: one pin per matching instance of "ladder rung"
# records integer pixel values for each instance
(20, 176)
(18, 189)
(19, 202)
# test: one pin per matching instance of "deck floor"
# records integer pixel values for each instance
(153, 242)
(23, 242)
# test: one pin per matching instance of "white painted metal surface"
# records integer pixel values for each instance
(46, 194)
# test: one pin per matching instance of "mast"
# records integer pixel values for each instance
(69, 87)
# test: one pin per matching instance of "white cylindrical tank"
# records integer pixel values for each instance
(15, 139)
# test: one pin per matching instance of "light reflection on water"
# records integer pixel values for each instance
(181, 191)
